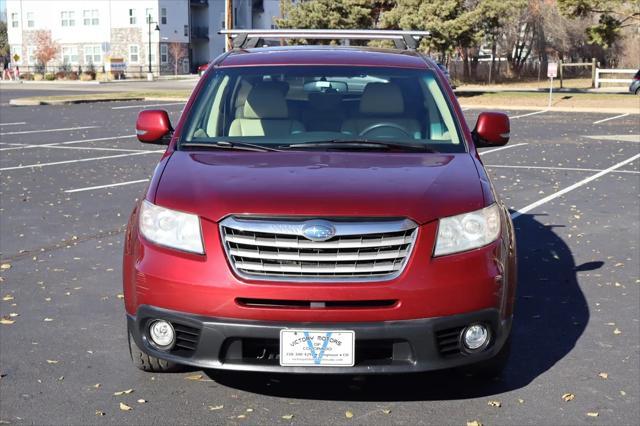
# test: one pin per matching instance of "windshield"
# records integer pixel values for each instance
(293, 106)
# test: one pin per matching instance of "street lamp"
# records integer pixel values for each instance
(157, 28)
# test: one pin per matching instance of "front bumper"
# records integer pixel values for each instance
(381, 347)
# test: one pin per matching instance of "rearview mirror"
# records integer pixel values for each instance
(153, 126)
(325, 86)
(492, 129)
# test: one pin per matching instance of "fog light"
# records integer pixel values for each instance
(162, 333)
(475, 336)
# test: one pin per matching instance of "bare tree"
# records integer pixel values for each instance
(46, 47)
(177, 51)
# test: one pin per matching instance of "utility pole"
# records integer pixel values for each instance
(228, 23)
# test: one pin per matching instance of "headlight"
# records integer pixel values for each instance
(468, 231)
(171, 228)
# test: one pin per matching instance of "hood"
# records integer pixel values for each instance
(422, 187)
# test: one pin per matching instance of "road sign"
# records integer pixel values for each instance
(552, 69)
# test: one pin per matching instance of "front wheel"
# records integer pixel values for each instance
(491, 367)
(150, 363)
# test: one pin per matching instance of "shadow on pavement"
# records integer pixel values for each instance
(551, 315)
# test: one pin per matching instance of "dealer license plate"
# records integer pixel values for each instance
(320, 348)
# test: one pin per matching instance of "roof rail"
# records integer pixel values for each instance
(251, 38)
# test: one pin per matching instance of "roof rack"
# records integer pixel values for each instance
(251, 38)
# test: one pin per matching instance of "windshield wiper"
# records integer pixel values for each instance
(228, 145)
(360, 143)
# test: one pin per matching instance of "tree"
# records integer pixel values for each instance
(612, 15)
(328, 14)
(4, 40)
(46, 47)
(177, 51)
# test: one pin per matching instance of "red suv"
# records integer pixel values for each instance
(320, 209)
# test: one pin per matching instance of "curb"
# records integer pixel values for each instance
(554, 109)
(36, 102)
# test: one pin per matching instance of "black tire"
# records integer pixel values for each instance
(492, 367)
(638, 91)
(150, 363)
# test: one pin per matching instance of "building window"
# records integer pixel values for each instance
(132, 16)
(235, 17)
(70, 55)
(148, 15)
(186, 30)
(164, 54)
(31, 55)
(90, 17)
(93, 54)
(68, 18)
(163, 15)
(30, 21)
(134, 53)
(14, 20)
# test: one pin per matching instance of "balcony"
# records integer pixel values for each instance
(199, 33)
(199, 3)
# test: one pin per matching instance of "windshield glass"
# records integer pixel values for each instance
(297, 105)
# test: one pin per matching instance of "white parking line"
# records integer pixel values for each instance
(548, 198)
(25, 146)
(503, 147)
(569, 169)
(33, 166)
(24, 132)
(147, 106)
(13, 124)
(610, 118)
(91, 188)
(527, 115)
(84, 148)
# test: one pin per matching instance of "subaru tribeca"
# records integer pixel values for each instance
(320, 209)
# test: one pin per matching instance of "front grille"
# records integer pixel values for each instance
(449, 341)
(186, 339)
(276, 249)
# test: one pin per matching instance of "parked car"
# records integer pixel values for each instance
(202, 68)
(634, 87)
(299, 223)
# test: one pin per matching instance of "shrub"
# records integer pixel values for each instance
(72, 75)
(26, 76)
(102, 76)
(59, 75)
(50, 76)
(38, 76)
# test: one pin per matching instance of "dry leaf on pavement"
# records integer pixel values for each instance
(568, 397)
(142, 401)
(494, 404)
(215, 407)
(592, 414)
(194, 377)
(7, 298)
(348, 414)
(474, 423)
(125, 407)
(386, 411)
(52, 361)
(603, 375)
(6, 321)
(100, 413)
(124, 392)
(5, 266)
(288, 416)
(617, 331)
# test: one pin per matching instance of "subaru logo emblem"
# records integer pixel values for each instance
(318, 230)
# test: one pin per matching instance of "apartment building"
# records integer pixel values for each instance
(92, 33)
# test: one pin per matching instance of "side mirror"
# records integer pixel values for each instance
(492, 129)
(153, 126)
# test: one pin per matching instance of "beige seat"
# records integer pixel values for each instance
(382, 103)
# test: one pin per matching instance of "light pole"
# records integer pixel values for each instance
(157, 28)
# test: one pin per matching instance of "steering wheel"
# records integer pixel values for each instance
(385, 125)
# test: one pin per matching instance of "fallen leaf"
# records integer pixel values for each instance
(215, 407)
(348, 414)
(592, 414)
(125, 407)
(194, 377)
(603, 375)
(623, 393)
(7, 298)
(241, 416)
(5, 266)
(249, 410)
(142, 401)
(617, 331)
(52, 361)
(48, 319)
(61, 378)
(568, 397)
(100, 413)
(386, 411)
(124, 392)
(120, 296)
(13, 315)
(521, 401)
(474, 423)
(6, 321)
(494, 404)
(97, 385)
(288, 416)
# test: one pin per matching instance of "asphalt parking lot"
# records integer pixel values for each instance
(69, 176)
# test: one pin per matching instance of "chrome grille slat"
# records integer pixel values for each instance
(269, 249)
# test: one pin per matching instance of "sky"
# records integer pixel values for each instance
(3, 10)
